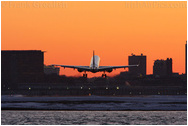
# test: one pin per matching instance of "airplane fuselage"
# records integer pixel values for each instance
(94, 64)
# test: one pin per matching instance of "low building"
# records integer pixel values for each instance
(48, 70)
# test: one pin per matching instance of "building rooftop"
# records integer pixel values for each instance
(22, 51)
(132, 54)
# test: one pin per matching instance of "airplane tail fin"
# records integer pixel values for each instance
(93, 58)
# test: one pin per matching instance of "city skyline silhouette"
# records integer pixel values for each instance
(69, 31)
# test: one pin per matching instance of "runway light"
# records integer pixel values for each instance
(106, 88)
(117, 88)
(177, 93)
(158, 93)
(81, 87)
(89, 88)
(67, 88)
(49, 88)
(29, 88)
(130, 93)
(8, 88)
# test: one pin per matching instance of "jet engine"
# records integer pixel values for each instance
(109, 70)
(80, 70)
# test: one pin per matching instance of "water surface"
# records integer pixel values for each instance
(93, 117)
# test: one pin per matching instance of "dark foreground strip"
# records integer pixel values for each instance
(33, 109)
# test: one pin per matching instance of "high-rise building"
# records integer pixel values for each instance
(137, 59)
(162, 68)
(21, 66)
(186, 58)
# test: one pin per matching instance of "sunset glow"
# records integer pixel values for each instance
(70, 31)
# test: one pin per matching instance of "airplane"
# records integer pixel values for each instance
(94, 67)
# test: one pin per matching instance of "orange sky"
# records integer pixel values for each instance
(70, 31)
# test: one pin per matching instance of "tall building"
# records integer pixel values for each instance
(186, 58)
(137, 59)
(162, 68)
(21, 66)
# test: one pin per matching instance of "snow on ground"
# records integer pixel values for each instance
(153, 102)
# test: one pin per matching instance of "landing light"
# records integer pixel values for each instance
(117, 88)
(29, 88)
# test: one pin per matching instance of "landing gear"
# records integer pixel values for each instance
(85, 75)
(104, 75)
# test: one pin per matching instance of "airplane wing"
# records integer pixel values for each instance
(103, 68)
(86, 68)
